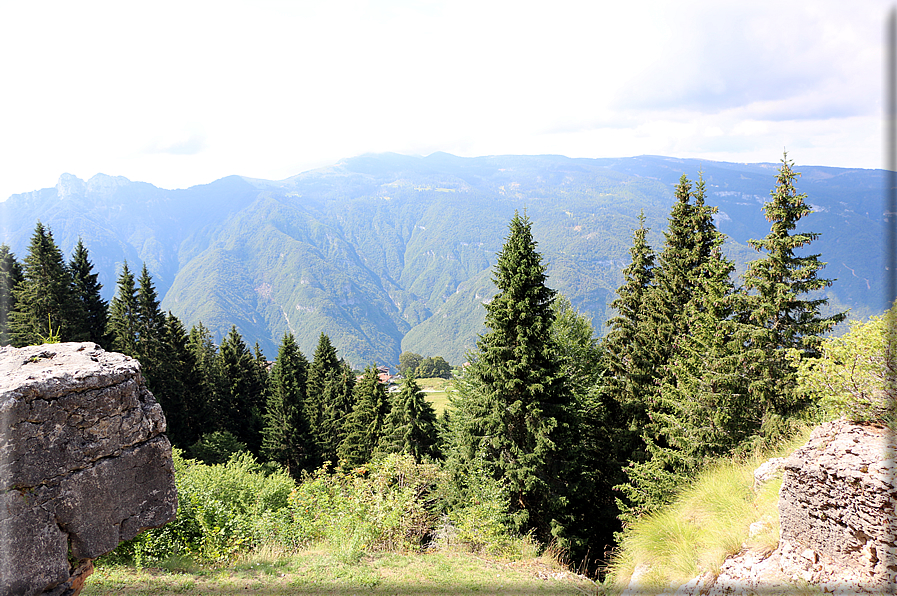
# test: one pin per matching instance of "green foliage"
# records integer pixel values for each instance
(854, 374)
(10, 275)
(708, 520)
(408, 363)
(411, 424)
(515, 406)
(217, 447)
(87, 292)
(45, 296)
(367, 422)
(151, 331)
(674, 340)
(781, 314)
(241, 401)
(287, 438)
(434, 367)
(385, 505)
(123, 314)
(220, 511)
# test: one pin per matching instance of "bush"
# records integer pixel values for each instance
(854, 375)
(385, 505)
(221, 511)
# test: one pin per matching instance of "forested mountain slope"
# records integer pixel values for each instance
(389, 252)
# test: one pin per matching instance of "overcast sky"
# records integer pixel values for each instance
(182, 93)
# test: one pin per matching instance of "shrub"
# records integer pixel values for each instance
(854, 375)
(221, 509)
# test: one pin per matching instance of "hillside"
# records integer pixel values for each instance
(388, 252)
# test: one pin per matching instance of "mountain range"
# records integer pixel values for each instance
(387, 252)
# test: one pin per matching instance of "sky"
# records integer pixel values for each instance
(183, 93)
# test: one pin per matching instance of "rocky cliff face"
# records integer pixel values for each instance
(83, 463)
(837, 520)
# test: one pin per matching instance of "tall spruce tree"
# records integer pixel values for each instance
(517, 408)
(411, 425)
(180, 386)
(11, 275)
(46, 305)
(682, 303)
(779, 309)
(338, 402)
(151, 331)
(206, 396)
(628, 346)
(241, 402)
(123, 314)
(366, 423)
(322, 373)
(286, 438)
(87, 292)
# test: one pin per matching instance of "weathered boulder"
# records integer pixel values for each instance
(83, 463)
(836, 517)
(837, 507)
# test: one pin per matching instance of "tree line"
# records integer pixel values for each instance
(217, 399)
(586, 435)
(579, 435)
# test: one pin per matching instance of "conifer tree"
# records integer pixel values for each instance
(181, 386)
(240, 407)
(628, 344)
(339, 401)
(287, 438)
(45, 298)
(87, 292)
(123, 314)
(324, 369)
(205, 400)
(365, 425)
(780, 312)
(11, 275)
(516, 411)
(151, 330)
(411, 425)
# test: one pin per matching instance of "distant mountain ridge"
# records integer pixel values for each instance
(388, 252)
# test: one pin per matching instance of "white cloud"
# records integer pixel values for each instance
(182, 93)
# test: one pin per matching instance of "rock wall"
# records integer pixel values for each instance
(836, 516)
(83, 463)
(837, 502)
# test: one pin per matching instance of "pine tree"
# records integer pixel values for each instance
(411, 425)
(46, 305)
(11, 275)
(286, 437)
(325, 367)
(240, 407)
(180, 385)
(781, 314)
(339, 401)
(87, 291)
(123, 315)
(628, 345)
(517, 410)
(151, 330)
(365, 425)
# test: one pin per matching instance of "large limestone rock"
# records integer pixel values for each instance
(836, 516)
(83, 463)
(836, 507)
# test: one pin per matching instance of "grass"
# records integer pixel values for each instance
(269, 572)
(708, 522)
(436, 391)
